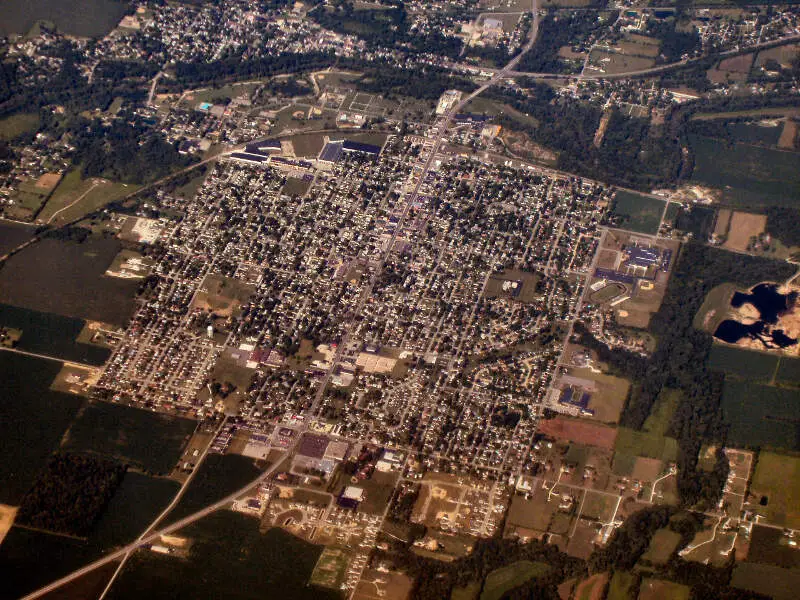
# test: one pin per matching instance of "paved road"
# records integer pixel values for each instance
(639, 73)
(123, 552)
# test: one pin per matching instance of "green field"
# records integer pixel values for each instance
(760, 415)
(150, 441)
(649, 445)
(788, 372)
(637, 212)
(76, 197)
(219, 475)
(743, 364)
(229, 559)
(662, 545)
(776, 488)
(330, 569)
(657, 422)
(621, 586)
(774, 582)
(504, 579)
(32, 420)
(747, 175)
(717, 300)
(16, 125)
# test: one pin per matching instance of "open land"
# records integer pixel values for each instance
(775, 489)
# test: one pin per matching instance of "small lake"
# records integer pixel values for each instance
(770, 305)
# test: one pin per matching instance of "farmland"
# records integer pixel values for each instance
(774, 582)
(32, 420)
(637, 212)
(577, 430)
(86, 18)
(769, 546)
(747, 175)
(788, 372)
(507, 578)
(228, 547)
(149, 441)
(621, 586)
(743, 227)
(745, 364)
(51, 335)
(661, 547)
(17, 124)
(776, 489)
(66, 278)
(760, 415)
(13, 234)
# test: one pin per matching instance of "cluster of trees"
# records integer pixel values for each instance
(384, 27)
(71, 493)
(783, 222)
(557, 30)
(674, 43)
(426, 83)
(124, 150)
(680, 358)
(634, 153)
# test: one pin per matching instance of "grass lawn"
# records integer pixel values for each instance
(16, 125)
(76, 197)
(502, 580)
(658, 589)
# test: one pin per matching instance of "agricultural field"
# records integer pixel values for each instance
(621, 586)
(770, 546)
(649, 445)
(637, 212)
(67, 278)
(658, 589)
(746, 175)
(227, 547)
(505, 579)
(88, 18)
(662, 545)
(743, 227)
(760, 415)
(749, 365)
(591, 588)
(788, 372)
(775, 489)
(579, 430)
(13, 234)
(32, 420)
(76, 197)
(598, 506)
(219, 475)
(773, 582)
(149, 441)
(51, 335)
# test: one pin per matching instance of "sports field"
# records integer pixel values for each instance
(638, 212)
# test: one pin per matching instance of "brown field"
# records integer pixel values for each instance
(788, 137)
(644, 48)
(609, 398)
(576, 430)
(534, 514)
(592, 588)
(581, 545)
(222, 295)
(597, 506)
(7, 514)
(743, 227)
(737, 64)
(568, 53)
(783, 55)
(48, 181)
(661, 547)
